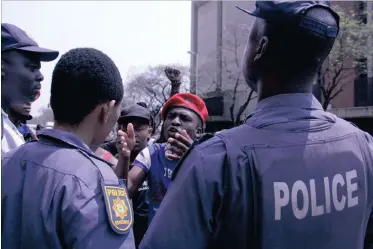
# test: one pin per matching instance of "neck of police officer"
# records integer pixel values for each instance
(84, 131)
(272, 84)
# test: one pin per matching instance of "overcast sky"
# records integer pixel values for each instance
(134, 34)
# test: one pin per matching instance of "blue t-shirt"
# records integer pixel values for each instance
(159, 169)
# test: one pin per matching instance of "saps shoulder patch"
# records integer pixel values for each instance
(118, 207)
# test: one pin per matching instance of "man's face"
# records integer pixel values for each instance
(142, 132)
(179, 119)
(21, 79)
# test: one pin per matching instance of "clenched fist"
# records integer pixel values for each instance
(173, 75)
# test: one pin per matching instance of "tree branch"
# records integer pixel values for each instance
(231, 108)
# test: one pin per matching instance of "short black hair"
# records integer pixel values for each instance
(297, 50)
(83, 79)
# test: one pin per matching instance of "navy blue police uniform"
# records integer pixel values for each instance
(57, 194)
(292, 176)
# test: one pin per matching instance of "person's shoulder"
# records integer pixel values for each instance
(209, 143)
(347, 124)
(71, 162)
(205, 154)
(9, 156)
(218, 141)
(156, 148)
(350, 127)
(206, 150)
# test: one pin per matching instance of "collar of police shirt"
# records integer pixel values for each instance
(11, 137)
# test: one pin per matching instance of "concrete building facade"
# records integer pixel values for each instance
(218, 38)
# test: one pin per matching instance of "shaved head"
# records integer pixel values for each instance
(285, 51)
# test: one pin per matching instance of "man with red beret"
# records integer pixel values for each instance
(184, 115)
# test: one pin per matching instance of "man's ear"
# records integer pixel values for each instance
(261, 48)
(105, 110)
(199, 131)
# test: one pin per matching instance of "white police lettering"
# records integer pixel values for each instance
(327, 195)
(301, 187)
(280, 188)
(167, 173)
(303, 197)
(351, 187)
(316, 210)
(338, 204)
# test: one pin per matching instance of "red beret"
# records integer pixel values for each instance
(189, 101)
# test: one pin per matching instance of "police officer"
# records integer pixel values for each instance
(20, 81)
(293, 175)
(55, 192)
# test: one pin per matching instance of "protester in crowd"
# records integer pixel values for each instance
(55, 192)
(139, 116)
(293, 175)
(184, 115)
(20, 80)
(174, 76)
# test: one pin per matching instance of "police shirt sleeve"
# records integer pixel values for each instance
(143, 160)
(187, 208)
(84, 219)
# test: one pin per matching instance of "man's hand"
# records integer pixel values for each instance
(126, 141)
(173, 75)
(176, 147)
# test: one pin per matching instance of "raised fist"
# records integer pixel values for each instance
(173, 75)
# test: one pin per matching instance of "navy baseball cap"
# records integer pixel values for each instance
(293, 12)
(14, 38)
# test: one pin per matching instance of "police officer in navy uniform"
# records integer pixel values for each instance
(20, 81)
(55, 192)
(293, 175)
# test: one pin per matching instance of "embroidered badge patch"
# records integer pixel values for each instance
(118, 208)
